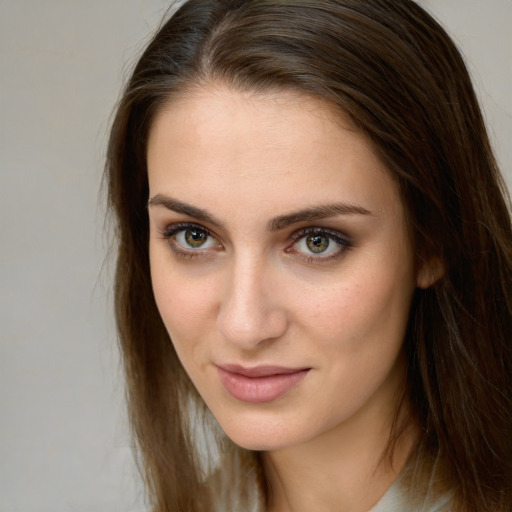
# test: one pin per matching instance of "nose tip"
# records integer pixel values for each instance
(250, 313)
(250, 330)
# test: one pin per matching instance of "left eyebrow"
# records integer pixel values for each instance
(316, 213)
(184, 208)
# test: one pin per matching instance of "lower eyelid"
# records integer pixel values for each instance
(183, 253)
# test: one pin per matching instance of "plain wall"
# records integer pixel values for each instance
(64, 443)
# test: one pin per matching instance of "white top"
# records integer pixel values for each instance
(394, 501)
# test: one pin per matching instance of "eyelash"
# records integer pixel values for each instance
(169, 233)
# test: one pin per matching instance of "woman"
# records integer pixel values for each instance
(315, 249)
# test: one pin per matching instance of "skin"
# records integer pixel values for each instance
(251, 296)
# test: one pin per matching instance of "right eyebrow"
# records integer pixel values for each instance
(187, 209)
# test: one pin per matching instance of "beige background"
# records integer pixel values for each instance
(64, 445)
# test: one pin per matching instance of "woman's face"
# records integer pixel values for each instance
(280, 263)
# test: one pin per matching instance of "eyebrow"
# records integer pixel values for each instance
(275, 224)
(316, 213)
(187, 209)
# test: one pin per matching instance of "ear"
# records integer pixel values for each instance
(429, 272)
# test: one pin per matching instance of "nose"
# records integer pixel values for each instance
(250, 311)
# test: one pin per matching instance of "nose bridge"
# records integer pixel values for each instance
(249, 312)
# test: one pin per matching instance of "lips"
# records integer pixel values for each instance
(259, 384)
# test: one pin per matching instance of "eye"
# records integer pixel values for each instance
(319, 244)
(186, 239)
(194, 238)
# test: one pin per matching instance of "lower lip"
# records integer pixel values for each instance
(259, 390)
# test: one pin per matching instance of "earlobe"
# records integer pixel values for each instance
(430, 272)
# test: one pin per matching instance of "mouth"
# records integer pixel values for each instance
(260, 384)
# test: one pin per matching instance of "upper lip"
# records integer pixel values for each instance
(260, 371)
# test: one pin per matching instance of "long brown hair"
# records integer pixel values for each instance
(393, 70)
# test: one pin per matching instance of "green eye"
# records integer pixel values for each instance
(189, 240)
(195, 238)
(317, 243)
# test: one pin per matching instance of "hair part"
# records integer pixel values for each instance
(396, 74)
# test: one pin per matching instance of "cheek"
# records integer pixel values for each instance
(185, 303)
(357, 330)
(367, 307)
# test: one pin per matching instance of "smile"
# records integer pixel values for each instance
(260, 384)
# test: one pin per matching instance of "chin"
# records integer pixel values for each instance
(257, 444)
(261, 435)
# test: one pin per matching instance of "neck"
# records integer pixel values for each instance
(346, 469)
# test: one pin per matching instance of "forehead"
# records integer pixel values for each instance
(280, 148)
(215, 113)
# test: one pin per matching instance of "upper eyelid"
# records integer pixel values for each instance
(333, 233)
(176, 227)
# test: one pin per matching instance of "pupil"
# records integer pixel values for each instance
(317, 243)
